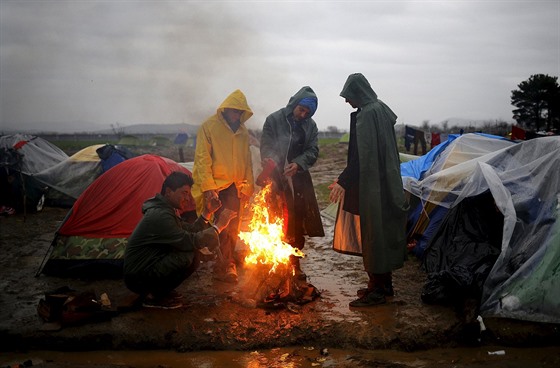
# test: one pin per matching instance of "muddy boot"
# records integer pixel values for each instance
(382, 282)
(371, 298)
(388, 285)
(370, 286)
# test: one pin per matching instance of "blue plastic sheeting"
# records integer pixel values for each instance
(417, 168)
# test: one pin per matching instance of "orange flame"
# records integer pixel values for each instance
(265, 238)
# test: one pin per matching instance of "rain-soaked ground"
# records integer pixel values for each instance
(221, 326)
(291, 357)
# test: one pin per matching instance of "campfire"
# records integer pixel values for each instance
(270, 276)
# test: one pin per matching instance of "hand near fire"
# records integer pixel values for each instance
(225, 217)
(291, 169)
(337, 192)
(211, 203)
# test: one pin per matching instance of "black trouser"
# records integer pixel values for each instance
(229, 236)
(165, 275)
(296, 215)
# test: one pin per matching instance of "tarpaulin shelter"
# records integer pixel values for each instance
(91, 240)
(69, 178)
(21, 157)
(521, 182)
(425, 216)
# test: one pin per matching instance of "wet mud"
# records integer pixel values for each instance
(220, 322)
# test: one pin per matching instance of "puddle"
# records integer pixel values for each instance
(292, 357)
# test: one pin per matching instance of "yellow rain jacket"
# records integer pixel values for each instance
(222, 157)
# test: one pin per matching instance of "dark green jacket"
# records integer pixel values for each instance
(382, 203)
(275, 142)
(160, 234)
(277, 134)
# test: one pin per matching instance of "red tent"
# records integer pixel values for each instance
(94, 233)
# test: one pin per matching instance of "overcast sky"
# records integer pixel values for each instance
(95, 63)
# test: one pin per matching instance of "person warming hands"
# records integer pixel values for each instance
(163, 250)
(371, 219)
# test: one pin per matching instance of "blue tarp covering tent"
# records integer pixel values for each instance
(416, 168)
(523, 181)
(426, 216)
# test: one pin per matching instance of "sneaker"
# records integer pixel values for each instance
(174, 294)
(387, 292)
(370, 299)
(163, 303)
(229, 275)
(231, 272)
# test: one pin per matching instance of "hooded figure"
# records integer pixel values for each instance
(289, 145)
(371, 219)
(223, 170)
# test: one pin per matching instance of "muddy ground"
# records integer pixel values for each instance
(223, 317)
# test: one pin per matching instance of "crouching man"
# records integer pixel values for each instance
(163, 250)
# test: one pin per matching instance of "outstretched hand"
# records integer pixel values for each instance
(224, 219)
(337, 192)
(291, 169)
(211, 203)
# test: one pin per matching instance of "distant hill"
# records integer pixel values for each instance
(81, 127)
(153, 129)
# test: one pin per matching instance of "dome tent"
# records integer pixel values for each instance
(91, 240)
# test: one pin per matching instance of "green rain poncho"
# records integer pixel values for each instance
(275, 144)
(378, 232)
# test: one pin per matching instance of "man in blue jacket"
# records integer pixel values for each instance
(289, 143)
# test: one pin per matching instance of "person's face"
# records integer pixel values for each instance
(352, 103)
(301, 113)
(178, 198)
(232, 115)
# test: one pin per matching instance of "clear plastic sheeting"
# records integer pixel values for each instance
(456, 149)
(36, 154)
(524, 180)
(73, 175)
(452, 168)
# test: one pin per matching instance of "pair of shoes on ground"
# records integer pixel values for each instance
(170, 301)
(228, 275)
(370, 298)
(388, 292)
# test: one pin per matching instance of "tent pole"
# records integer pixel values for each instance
(49, 250)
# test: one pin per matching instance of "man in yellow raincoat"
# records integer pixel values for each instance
(223, 169)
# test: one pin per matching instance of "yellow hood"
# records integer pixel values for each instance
(236, 100)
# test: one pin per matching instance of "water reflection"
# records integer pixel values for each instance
(293, 357)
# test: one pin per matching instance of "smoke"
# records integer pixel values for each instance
(117, 62)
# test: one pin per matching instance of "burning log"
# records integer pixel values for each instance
(269, 277)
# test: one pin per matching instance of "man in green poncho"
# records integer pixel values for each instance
(163, 249)
(371, 218)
